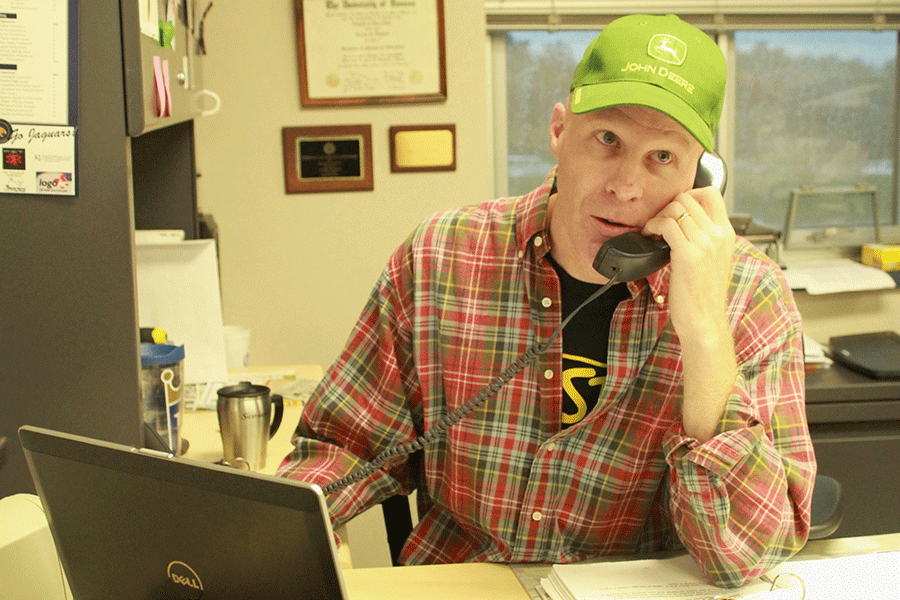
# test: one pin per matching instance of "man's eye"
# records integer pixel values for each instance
(608, 138)
(663, 156)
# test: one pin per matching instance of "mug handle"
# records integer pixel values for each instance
(278, 405)
(237, 463)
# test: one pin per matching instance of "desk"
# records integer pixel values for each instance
(473, 581)
(852, 419)
(854, 422)
(514, 582)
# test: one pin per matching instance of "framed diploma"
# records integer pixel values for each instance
(371, 51)
(334, 158)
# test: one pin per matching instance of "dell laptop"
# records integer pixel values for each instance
(141, 524)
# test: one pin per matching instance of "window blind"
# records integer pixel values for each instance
(710, 15)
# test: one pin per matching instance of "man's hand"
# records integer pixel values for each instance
(696, 227)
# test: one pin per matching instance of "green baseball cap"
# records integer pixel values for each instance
(659, 62)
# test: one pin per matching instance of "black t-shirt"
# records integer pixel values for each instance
(585, 342)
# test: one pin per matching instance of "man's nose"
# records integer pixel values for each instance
(625, 180)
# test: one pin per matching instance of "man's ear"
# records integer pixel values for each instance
(557, 124)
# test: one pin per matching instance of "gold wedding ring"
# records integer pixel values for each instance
(681, 218)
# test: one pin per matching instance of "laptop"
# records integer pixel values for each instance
(143, 524)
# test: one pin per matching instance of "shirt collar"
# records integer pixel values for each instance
(532, 218)
(658, 282)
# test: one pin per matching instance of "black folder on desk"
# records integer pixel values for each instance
(874, 354)
(130, 523)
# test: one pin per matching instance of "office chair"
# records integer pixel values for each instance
(827, 512)
(827, 507)
(397, 523)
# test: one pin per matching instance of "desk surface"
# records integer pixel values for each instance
(837, 383)
(477, 581)
(474, 581)
(504, 582)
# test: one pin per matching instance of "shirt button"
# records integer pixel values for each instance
(538, 241)
(660, 299)
(547, 302)
(551, 446)
(536, 516)
(548, 374)
(521, 254)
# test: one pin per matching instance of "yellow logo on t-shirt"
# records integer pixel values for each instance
(589, 373)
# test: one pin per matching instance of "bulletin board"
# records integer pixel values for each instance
(38, 96)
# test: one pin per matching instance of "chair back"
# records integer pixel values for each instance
(827, 507)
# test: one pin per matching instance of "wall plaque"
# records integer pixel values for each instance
(336, 158)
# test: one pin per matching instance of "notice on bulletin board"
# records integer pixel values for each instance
(37, 136)
(38, 159)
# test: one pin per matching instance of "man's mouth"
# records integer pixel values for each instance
(613, 224)
(608, 228)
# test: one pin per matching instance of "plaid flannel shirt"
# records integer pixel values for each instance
(469, 292)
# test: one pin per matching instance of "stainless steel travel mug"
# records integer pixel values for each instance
(247, 423)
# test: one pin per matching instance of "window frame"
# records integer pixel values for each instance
(724, 35)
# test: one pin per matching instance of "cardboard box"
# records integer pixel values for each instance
(882, 256)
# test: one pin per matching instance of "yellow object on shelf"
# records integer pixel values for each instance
(882, 256)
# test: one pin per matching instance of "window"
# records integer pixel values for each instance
(814, 108)
(810, 108)
(539, 67)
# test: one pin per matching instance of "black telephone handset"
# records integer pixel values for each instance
(631, 256)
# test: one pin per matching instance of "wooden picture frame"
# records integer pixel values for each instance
(422, 148)
(378, 52)
(327, 158)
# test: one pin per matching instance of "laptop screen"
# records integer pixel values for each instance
(131, 524)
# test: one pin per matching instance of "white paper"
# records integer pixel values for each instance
(849, 577)
(814, 352)
(149, 18)
(676, 578)
(843, 578)
(158, 236)
(178, 290)
(830, 276)
(34, 55)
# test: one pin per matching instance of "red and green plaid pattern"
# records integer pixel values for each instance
(465, 295)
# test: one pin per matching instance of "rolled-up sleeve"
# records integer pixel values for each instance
(741, 502)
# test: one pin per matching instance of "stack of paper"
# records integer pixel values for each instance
(814, 352)
(676, 578)
(178, 290)
(830, 276)
(846, 578)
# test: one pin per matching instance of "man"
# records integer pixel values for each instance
(670, 413)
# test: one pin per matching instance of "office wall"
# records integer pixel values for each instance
(297, 268)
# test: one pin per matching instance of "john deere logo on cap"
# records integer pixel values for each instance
(667, 48)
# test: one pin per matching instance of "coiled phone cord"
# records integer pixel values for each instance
(451, 419)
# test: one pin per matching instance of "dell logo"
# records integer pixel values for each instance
(182, 580)
(187, 582)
